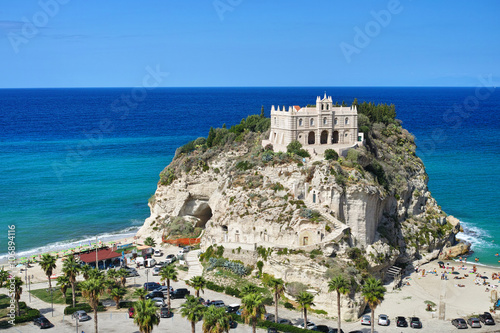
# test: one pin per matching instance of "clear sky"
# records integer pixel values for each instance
(111, 43)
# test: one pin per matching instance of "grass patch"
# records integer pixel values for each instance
(45, 296)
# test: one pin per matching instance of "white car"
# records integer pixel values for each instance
(156, 271)
(158, 301)
(366, 320)
(383, 320)
(310, 325)
(157, 253)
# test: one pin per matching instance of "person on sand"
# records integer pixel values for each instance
(474, 269)
(423, 272)
(452, 268)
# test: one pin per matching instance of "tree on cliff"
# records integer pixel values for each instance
(305, 301)
(373, 291)
(48, 264)
(149, 241)
(278, 288)
(341, 286)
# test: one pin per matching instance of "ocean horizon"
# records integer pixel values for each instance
(83, 162)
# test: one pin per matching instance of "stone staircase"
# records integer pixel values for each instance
(194, 266)
(337, 226)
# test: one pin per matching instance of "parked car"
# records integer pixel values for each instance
(164, 289)
(156, 271)
(217, 304)
(42, 322)
(131, 312)
(171, 258)
(131, 271)
(474, 322)
(401, 322)
(166, 313)
(154, 294)
(232, 308)
(366, 320)
(157, 253)
(284, 321)
(459, 323)
(415, 322)
(232, 324)
(179, 293)
(322, 328)
(486, 318)
(383, 320)
(309, 325)
(150, 286)
(269, 317)
(81, 315)
(335, 330)
(158, 301)
(272, 330)
(186, 249)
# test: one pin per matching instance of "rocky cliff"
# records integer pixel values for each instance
(359, 214)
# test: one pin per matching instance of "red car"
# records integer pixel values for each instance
(131, 312)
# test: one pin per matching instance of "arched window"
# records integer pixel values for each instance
(346, 121)
(311, 122)
(325, 121)
(322, 106)
(275, 121)
(327, 106)
(336, 121)
(300, 122)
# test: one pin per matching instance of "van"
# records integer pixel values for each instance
(149, 262)
(139, 261)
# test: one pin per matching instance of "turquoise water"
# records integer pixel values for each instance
(59, 187)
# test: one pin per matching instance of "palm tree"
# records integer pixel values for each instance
(341, 286)
(215, 320)
(63, 283)
(149, 241)
(48, 264)
(192, 310)
(278, 287)
(85, 270)
(253, 309)
(305, 301)
(95, 273)
(4, 276)
(71, 269)
(15, 285)
(146, 315)
(198, 283)
(92, 289)
(248, 288)
(109, 285)
(122, 274)
(112, 274)
(373, 291)
(168, 273)
(117, 294)
(141, 293)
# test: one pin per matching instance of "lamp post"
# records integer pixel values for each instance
(51, 290)
(147, 272)
(76, 320)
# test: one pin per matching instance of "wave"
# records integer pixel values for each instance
(477, 237)
(84, 240)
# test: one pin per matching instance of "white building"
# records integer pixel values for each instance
(318, 127)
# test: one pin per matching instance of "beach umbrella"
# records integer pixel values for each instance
(484, 277)
(440, 262)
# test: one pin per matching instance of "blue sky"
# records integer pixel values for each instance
(75, 43)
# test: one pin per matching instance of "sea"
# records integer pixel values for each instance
(80, 164)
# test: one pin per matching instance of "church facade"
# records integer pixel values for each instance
(318, 127)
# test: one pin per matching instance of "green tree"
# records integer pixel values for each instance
(253, 309)
(122, 274)
(71, 269)
(211, 137)
(168, 273)
(95, 273)
(92, 289)
(85, 270)
(373, 291)
(216, 320)
(141, 293)
(117, 294)
(305, 301)
(192, 310)
(262, 112)
(146, 315)
(198, 283)
(341, 286)
(4, 276)
(48, 264)
(248, 288)
(16, 285)
(109, 285)
(295, 147)
(278, 288)
(112, 274)
(149, 241)
(331, 154)
(63, 283)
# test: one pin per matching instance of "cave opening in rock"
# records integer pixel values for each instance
(203, 213)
